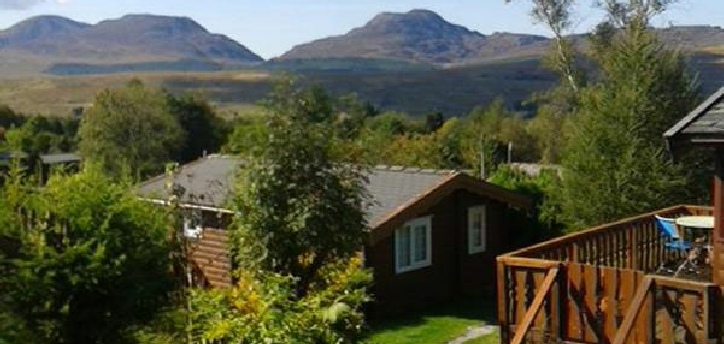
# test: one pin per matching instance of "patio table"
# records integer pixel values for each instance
(699, 223)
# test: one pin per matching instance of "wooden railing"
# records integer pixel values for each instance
(633, 243)
(594, 287)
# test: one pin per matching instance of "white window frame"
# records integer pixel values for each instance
(414, 265)
(191, 231)
(473, 212)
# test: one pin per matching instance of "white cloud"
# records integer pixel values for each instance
(26, 4)
(18, 4)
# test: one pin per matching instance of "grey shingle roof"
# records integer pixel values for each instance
(206, 181)
(392, 188)
(705, 122)
(211, 178)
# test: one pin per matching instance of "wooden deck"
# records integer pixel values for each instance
(598, 286)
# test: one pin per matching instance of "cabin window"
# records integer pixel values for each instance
(193, 225)
(413, 243)
(476, 229)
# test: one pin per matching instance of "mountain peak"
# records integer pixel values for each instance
(418, 35)
(423, 13)
(415, 13)
(133, 38)
(152, 22)
(414, 20)
(40, 27)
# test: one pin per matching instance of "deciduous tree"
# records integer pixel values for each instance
(130, 128)
(203, 130)
(296, 239)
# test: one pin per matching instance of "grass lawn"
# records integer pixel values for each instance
(436, 326)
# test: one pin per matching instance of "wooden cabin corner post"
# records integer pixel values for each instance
(717, 261)
(718, 237)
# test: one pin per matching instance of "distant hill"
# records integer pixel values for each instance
(418, 35)
(425, 37)
(129, 39)
(693, 37)
(38, 31)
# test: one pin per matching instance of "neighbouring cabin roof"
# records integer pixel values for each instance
(205, 182)
(392, 188)
(703, 126)
(13, 155)
(534, 170)
(6, 157)
(59, 158)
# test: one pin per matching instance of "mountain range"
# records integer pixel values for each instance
(132, 38)
(424, 36)
(414, 62)
(419, 36)
(154, 42)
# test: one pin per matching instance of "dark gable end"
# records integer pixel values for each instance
(703, 126)
(429, 198)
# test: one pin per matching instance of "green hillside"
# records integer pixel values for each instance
(413, 88)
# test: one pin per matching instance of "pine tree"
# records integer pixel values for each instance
(615, 162)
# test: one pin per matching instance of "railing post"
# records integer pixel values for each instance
(650, 313)
(633, 250)
(558, 294)
(574, 252)
(503, 306)
(712, 314)
(708, 309)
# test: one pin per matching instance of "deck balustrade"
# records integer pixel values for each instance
(599, 286)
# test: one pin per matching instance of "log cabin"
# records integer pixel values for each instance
(433, 234)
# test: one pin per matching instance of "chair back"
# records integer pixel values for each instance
(667, 227)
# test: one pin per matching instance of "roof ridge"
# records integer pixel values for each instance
(695, 114)
(181, 166)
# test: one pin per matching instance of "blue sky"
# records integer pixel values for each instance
(271, 27)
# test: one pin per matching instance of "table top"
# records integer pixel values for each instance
(701, 222)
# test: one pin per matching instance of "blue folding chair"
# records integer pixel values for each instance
(674, 243)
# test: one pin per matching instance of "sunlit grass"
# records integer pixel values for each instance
(439, 325)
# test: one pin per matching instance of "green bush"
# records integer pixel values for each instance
(263, 307)
(92, 263)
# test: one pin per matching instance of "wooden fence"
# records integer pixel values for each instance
(581, 289)
(633, 243)
(584, 303)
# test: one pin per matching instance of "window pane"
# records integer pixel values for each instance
(420, 243)
(476, 229)
(403, 247)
